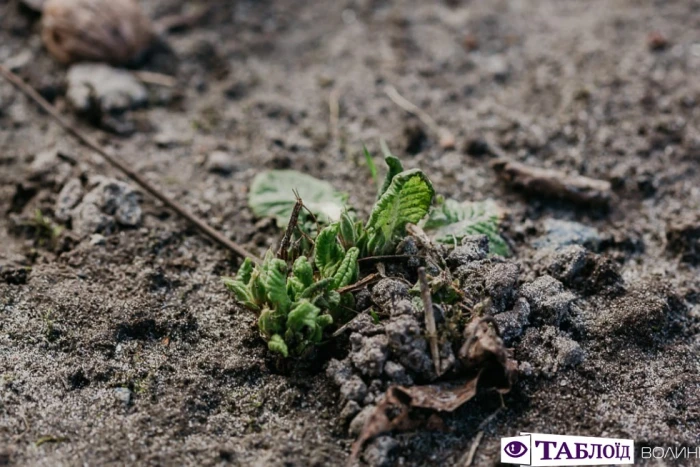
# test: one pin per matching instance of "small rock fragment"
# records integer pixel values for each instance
(397, 373)
(407, 342)
(69, 196)
(123, 395)
(501, 284)
(109, 202)
(560, 233)
(388, 291)
(512, 323)
(473, 248)
(339, 371)
(567, 263)
(369, 353)
(358, 422)
(354, 389)
(351, 409)
(548, 299)
(378, 452)
(110, 89)
(220, 162)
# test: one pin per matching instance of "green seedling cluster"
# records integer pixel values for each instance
(299, 297)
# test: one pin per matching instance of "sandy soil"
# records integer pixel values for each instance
(130, 352)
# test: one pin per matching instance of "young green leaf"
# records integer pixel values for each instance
(276, 285)
(272, 195)
(395, 168)
(276, 344)
(348, 233)
(371, 165)
(245, 271)
(452, 221)
(302, 315)
(241, 291)
(348, 270)
(303, 271)
(406, 200)
(328, 252)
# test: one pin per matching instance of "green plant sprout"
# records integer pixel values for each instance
(298, 297)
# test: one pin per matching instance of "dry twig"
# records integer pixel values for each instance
(124, 168)
(552, 183)
(151, 77)
(429, 318)
(293, 221)
(469, 459)
(445, 137)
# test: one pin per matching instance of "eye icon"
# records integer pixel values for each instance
(515, 449)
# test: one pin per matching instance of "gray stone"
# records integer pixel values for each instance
(123, 395)
(69, 197)
(378, 452)
(359, 421)
(397, 373)
(407, 343)
(559, 233)
(567, 263)
(512, 323)
(354, 389)
(548, 300)
(502, 284)
(111, 89)
(389, 291)
(473, 248)
(220, 162)
(351, 409)
(108, 203)
(339, 371)
(369, 354)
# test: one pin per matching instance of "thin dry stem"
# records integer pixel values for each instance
(429, 318)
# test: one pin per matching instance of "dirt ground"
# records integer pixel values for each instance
(130, 352)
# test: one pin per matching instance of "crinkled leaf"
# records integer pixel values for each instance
(348, 270)
(348, 232)
(241, 291)
(328, 251)
(406, 200)
(395, 168)
(272, 195)
(302, 315)
(276, 285)
(303, 271)
(270, 323)
(317, 288)
(452, 221)
(276, 344)
(245, 271)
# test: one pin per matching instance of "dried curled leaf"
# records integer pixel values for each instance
(485, 358)
(113, 31)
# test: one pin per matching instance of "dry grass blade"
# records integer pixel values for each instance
(114, 161)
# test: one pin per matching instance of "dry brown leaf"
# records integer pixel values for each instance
(483, 351)
(112, 31)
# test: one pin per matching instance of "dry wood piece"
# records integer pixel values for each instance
(552, 183)
(112, 31)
